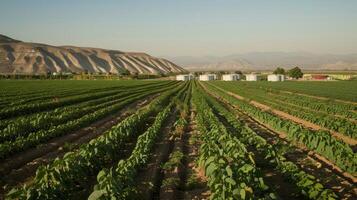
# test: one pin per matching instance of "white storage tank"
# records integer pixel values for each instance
(208, 77)
(230, 77)
(276, 77)
(251, 77)
(184, 77)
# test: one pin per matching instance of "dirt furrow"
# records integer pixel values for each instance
(305, 159)
(319, 97)
(193, 179)
(149, 178)
(272, 177)
(312, 110)
(329, 174)
(285, 115)
(22, 167)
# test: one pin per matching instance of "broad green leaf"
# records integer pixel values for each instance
(242, 193)
(210, 169)
(229, 171)
(96, 195)
(230, 181)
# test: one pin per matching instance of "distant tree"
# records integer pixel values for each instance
(238, 72)
(295, 73)
(160, 74)
(125, 72)
(279, 70)
(220, 73)
(135, 75)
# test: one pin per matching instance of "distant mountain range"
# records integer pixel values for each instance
(269, 61)
(33, 58)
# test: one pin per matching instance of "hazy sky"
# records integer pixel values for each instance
(186, 27)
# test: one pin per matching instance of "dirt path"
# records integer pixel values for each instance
(22, 167)
(330, 175)
(193, 179)
(285, 115)
(171, 177)
(186, 180)
(149, 178)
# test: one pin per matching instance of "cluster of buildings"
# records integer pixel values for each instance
(229, 77)
(330, 76)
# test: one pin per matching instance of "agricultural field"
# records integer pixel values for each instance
(155, 139)
(341, 90)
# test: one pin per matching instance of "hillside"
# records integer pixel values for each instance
(268, 61)
(33, 58)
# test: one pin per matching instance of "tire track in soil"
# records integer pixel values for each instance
(22, 167)
(299, 155)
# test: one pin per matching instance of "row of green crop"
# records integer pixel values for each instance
(344, 90)
(25, 125)
(331, 122)
(343, 126)
(330, 107)
(23, 109)
(49, 94)
(23, 143)
(287, 104)
(118, 182)
(37, 114)
(229, 167)
(13, 90)
(29, 108)
(60, 179)
(334, 123)
(16, 93)
(319, 141)
(307, 184)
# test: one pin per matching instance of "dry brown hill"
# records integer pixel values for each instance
(33, 58)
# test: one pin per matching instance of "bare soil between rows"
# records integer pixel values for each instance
(319, 97)
(317, 111)
(303, 122)
(333, 177)
(22, 167)
(273, 178)
(190, 144)
(149, 178)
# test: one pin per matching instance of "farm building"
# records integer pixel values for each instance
(208, 77)
(319, 77)
(251, 77)
(276, 77)
(184, 77)
(324, 77)
(230, 77)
